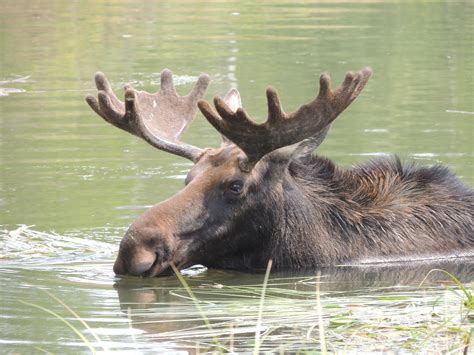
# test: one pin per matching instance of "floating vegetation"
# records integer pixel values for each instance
(369, 308)
(282, 315)
(298, 315)
(468, 298)
(8, 91)
(25, 244)
(16, 79)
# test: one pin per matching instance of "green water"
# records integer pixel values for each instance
(78, 182)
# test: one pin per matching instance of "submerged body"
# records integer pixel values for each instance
(305, 214)
(325, 215)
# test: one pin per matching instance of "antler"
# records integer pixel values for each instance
(282, 129)
(158, 118)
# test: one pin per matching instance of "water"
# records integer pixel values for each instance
(74, 183)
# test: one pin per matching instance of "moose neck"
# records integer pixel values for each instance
(333, 215)
(304, 234)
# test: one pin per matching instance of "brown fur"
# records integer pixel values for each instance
(303, 213)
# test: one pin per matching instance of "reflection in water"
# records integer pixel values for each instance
(158, 314)
(166, 312)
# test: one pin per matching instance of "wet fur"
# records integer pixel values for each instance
(321, 214)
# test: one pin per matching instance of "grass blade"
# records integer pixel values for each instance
(322, 338)
(260, 308)
(196, 302)
(191, 294)
(76, 316)
(65, 321)
(469, 297)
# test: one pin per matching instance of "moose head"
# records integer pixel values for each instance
(229, 214)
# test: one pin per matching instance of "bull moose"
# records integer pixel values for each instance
(264, 195)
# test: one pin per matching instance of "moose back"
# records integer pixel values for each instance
(264, 195)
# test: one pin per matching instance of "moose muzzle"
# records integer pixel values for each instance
(134, 258)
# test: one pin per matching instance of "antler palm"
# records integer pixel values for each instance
(159, 118)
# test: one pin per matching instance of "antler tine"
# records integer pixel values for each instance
(310, 122)
(166, 82)
(275, 110)
(352, 86)
(199, 89)
(105, 95)
(158, 118)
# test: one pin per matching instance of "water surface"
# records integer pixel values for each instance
(70, 184)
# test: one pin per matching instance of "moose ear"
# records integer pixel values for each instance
(274, 165)
(283, 157)
(234, 102)
(308, 145)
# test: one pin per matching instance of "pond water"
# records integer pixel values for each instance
(71, 184)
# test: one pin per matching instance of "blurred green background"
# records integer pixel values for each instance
(64, 168)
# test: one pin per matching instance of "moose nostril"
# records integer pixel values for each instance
(140, 268)
(135, 263)
(134, 269)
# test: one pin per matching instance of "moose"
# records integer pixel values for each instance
(264, 195)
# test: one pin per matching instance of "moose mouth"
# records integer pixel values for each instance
(159, 268)
(164, 268)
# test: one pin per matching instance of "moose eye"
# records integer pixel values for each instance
(236, 187)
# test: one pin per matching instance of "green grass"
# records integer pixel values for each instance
(65, 321)
(256, 349)
(468, 296)
(293, 315)
(69, 324)
(302, 321)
